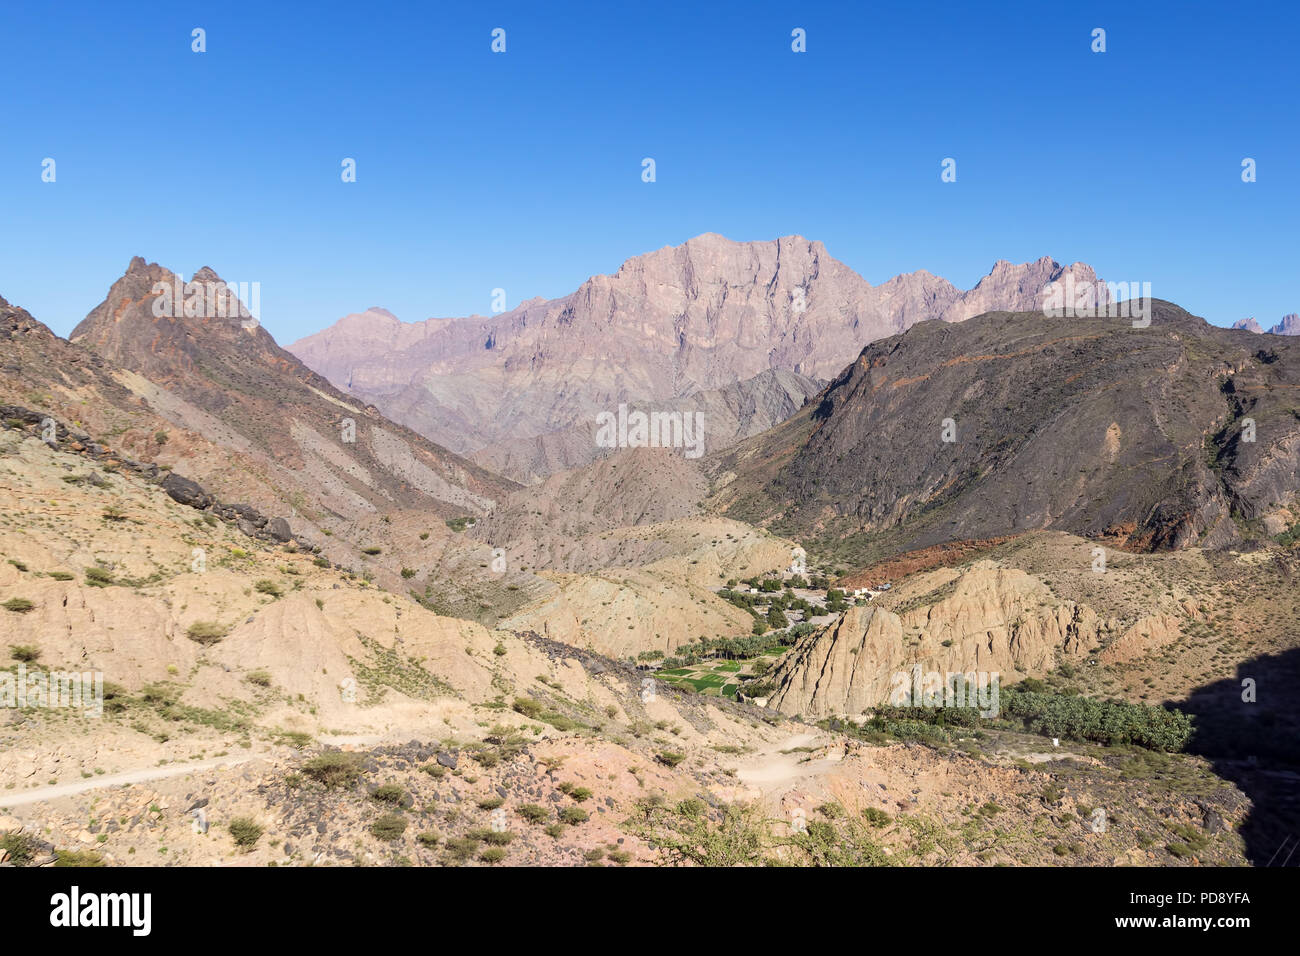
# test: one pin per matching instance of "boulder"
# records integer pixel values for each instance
(185, 492)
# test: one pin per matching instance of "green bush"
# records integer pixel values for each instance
(388, 827)
(573, 815)
(24, 653)
(528, 707)
(533, 813)
(20, 847)
(334, 769)
(78, 858)
(388, 793)
(246, 832)
(266, 586)
(18, 605)
(98, 578)
(492, 855)
(205, 632)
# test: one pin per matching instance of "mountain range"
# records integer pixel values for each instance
(712, 324)
(262, 562)
(1290, 325)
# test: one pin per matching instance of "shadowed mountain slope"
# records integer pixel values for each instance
(1177, 434)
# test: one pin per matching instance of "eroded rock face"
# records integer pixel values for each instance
(676, 325)
(994, 620)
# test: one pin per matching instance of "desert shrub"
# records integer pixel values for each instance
(20, 847)
(533, 813)
(78, 858)
(388, 793)
(25, 653)
(205, 632)
(669, 758)
(98, 578)
(266, 586)
(528, 707)
(62, 575)
(372, 551)
(875, 817)
(492, 854)
(259, 677)
(246, 832)
(388, 827)
(490, 803)
(428, 838)
(334, 769)
(460, 849)
(18, 605)
(573, 815)
(408, 572)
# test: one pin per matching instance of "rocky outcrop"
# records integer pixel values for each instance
(180, 489)
(670, 326)
(994, 620)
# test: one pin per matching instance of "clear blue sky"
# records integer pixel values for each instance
(523, 170)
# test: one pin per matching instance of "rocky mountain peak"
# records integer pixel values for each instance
(1290, 325)
(697, 317)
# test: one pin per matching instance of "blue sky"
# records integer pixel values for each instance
(523, 170)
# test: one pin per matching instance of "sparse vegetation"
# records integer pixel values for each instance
(206, 632)
(335, 769)
(246, 832)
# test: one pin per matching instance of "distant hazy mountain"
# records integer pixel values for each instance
(1290, 325)
(677, 326)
